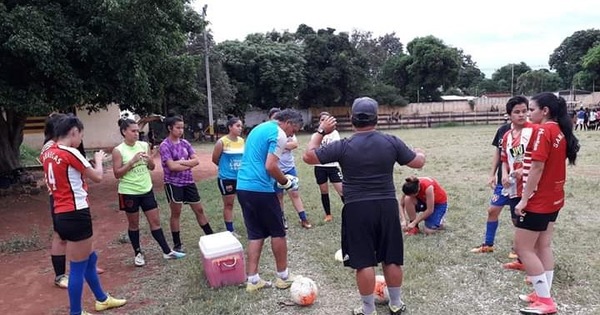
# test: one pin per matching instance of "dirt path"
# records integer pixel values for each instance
(27, 277)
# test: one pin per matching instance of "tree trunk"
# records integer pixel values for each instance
(11, 136)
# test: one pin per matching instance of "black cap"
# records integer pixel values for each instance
(364, 109)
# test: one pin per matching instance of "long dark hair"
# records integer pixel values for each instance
(557, 106)
(411, 185)
(51, 122)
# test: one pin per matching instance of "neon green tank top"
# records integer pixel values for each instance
(137, 181)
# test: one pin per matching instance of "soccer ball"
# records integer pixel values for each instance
(289, 177)
(304, 291)
(381, 292)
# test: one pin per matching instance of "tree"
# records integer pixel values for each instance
(265, 73)
(537, 81)
(434, 67)
(56, 55)
(507, 74)
(591, 65)
(376, 51)
(566, 58)
(487, 86)
(469, 75)
(335, 72)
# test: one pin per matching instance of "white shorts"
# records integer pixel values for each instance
(580, 121)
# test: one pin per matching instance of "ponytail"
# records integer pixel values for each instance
(411, 185)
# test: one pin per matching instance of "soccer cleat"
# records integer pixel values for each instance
(328, 218)
(529, 298)
(110, 302)
(397, 310)
(483, 249)
(513, 255)
(62, 281)
(359, 311)
(174, 255)
(85, 313)
(514, 265)
(539, 308)
(139, 260)
(261, 284)
(305, 224)
(412, 231)
(283, 284)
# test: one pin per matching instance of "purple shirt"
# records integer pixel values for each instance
(181, 150)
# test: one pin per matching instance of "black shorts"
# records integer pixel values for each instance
(182, 194)
(371, 233)
(51, 208)
(74, 226)
(537, 222)
(333, 174)
(133, 203)
(227, 186)
(262, 214)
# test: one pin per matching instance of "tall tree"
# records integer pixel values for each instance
(591, 64)
(506, 77)
(469, 75)
(376, 50)
(566, 58)
(56, 55)
(265, 73)
(536, 81)
(335, 71)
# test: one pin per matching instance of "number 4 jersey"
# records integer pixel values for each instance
(63, 172)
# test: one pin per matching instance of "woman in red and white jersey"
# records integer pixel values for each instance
(544, 175)
(424, 200)
(64, 168)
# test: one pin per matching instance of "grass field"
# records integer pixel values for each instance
(441, 276)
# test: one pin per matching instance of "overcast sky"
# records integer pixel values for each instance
(509, 31)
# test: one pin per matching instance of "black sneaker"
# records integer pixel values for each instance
(395, 310)
(179, 248)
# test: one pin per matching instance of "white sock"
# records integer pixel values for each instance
(283, 274)
(540, 284)
(549, 278)
(253, 278)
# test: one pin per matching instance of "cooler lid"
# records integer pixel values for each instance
(219, 244)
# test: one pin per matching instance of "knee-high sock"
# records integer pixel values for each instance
(91, 276)
(326, 203)
(159, 236)
(59, 264)
(75, 289)
(134, 237)
(490, 232)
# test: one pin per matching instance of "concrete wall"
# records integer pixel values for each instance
(100, 130)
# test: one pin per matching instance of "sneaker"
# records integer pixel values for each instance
(413, 231)
(174, 255)
(359, 311)
(62, 281)
(85, 313)
(110, 302)
(139, 260)
(483, 249)
(513, 255)
(283, 284)
(397, 310)
(305, 224)
(328, 218)
(514, 265)
(529, 298)
(261, 284)
(179, 248)
(539, 308)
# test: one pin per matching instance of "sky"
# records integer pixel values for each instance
(510, 31)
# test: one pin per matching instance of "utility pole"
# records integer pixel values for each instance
(211, 130)
(512, 79)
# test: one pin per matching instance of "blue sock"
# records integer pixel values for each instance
(75, 289)
(91, 276)
(302, 215)
(229, 226)
(490, 232)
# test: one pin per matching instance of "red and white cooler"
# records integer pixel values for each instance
(223, 259)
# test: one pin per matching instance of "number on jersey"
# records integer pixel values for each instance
(50, 180)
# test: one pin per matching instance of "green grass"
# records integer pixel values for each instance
(28, 156)
(441, 276)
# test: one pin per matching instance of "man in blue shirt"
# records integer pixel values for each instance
(256, 193)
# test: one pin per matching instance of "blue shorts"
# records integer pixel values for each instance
(291, 171)
(435, 220)
(499, 200)
(262, 214)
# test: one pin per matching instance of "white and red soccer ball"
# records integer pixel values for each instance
(381, 292)
(304, 291)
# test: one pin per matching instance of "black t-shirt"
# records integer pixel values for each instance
(497, 142)
(367, 160)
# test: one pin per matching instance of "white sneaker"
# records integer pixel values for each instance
(174, 255)
(139, 260)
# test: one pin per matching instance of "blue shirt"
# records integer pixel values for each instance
(231, 157)
(264, 139)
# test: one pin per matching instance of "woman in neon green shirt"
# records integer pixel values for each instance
(132, 163)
